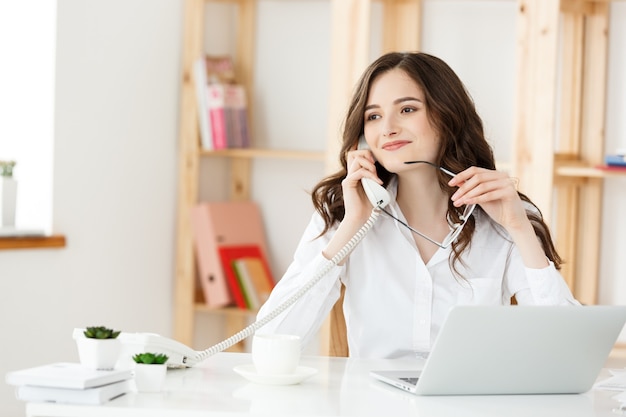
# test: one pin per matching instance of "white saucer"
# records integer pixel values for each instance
(249, 372)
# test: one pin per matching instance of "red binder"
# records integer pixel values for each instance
(220, 224)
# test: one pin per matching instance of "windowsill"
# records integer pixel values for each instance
(32, 242)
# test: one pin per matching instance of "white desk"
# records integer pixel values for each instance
(342, 387)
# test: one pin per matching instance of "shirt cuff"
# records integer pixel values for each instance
(544, 284)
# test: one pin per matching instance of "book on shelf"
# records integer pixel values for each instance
(89, 396)
(217, 224)
(227, 108)
(255, 278)
(216, 104)
(612, 168)
(248, 274)
(617, 160)
(237, 116)
(208, 71)
(67, 375)
(219, 69)
(204, 121)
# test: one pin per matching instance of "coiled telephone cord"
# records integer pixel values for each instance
(249, 331)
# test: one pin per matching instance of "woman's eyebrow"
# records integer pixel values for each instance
(396, 101)
(403, 99)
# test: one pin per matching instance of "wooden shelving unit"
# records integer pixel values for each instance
(190, 154)
(556, 152)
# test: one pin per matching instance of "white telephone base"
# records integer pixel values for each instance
(180, 355)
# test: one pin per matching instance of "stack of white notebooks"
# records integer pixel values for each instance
(69, 383)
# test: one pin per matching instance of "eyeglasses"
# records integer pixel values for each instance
(455, 228)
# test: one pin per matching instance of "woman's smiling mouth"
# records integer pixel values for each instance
(395, 145)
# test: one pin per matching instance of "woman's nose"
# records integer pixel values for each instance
(390, 127)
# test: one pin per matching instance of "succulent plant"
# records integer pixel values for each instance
(151, 358)
(100, 332)
(6, 168)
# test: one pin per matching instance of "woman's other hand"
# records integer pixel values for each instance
(496, 194)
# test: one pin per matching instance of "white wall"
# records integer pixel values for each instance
(613, 278)
(115, 157)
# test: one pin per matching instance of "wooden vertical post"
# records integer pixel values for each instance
(188, 167)
(244, 60)
(240, 168)
(534, 135)
(567, 193)
(402, 23)
(592, 150)
(349, 57)
(240, 179)
(566, 236)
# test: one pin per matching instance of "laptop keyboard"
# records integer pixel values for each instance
(411, 380)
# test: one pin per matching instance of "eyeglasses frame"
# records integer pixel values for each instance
(455, 228)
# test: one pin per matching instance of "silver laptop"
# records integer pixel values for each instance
(515, 350)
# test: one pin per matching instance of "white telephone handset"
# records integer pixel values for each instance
(376, 193)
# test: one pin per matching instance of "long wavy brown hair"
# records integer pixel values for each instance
(452, 113)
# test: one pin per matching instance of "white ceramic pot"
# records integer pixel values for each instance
(98, 353)
(150, 377)
(8, 201)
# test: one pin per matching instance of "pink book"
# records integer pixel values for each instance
(235, 104)
(217, 115)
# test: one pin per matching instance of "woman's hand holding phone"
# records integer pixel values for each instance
(358, 208)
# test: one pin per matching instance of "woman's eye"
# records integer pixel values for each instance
(408, 109)
(372, 116)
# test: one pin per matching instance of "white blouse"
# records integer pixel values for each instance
(395, 304)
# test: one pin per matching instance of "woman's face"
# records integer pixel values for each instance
(396, 123)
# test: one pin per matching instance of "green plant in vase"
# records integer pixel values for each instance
(150, 358)
(99, 348)
(101, 332)
(150, 371)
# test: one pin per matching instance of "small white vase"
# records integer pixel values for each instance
(98, 353)
(150, 377)
(8, 201)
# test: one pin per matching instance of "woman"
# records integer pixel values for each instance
(405, 275)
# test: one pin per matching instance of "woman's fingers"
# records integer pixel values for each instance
(361, 165)
(479, 185)
(483, 190)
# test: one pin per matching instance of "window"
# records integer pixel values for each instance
(27, 42)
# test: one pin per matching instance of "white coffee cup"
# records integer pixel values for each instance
(275, 354)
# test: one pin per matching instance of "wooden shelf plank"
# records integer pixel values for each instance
(577, 171)
(32, 242)
(267, 153)
(231, 311)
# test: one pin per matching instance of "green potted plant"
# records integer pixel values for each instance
(8, 193)
(150, 371)
(98, 347)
